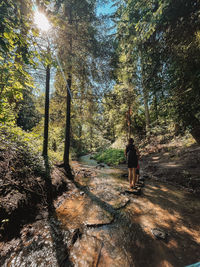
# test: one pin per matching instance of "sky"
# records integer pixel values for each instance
(106, 9)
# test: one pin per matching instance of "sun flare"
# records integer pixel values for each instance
(41, 21)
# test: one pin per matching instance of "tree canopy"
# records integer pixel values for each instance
(126, 76)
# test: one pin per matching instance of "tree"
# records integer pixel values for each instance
(165, 34)
(78, 50)
(181, 38)
(28, 116)
(14, 55)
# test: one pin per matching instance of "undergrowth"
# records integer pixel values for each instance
(26, 146)
(111, 156)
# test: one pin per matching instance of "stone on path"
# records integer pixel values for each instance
(159, 234)
(137, 191)
(80, 210)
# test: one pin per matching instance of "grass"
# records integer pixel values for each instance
(111, 156)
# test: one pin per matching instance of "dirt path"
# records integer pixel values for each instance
(117, 227)
(97, 223)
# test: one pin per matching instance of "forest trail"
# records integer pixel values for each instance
(117, 227)
(97, 223)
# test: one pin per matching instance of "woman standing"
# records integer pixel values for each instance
(132, 155)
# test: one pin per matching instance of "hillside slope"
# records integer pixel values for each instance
(176, 162)
(24, 181)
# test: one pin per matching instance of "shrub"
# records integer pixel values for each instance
(25, 145)
(111, 156)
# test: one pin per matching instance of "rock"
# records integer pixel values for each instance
(145, 176)
(100, 165)
(137, 191)
(39, 217)
(159, 234)
(141, 184)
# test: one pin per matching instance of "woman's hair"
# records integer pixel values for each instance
(130, 141)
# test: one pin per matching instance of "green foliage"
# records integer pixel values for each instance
(111, 156)
(28, 116)
(15, 54)
(83, 54)
(155, 63)
(159, 56)
(123, 112)
(24, 144)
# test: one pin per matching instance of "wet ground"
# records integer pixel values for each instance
(99, 223)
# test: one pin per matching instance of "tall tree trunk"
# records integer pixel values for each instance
(145, 92)
(91, 137)
(146, 106)
(67, 129)
(46, 116)
(81, 114)
(68, 13)
(156, 106)
(129, 122)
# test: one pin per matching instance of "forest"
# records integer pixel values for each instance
(129, 72)
(78, 79)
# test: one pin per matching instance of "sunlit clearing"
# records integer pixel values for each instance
(41, 21)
